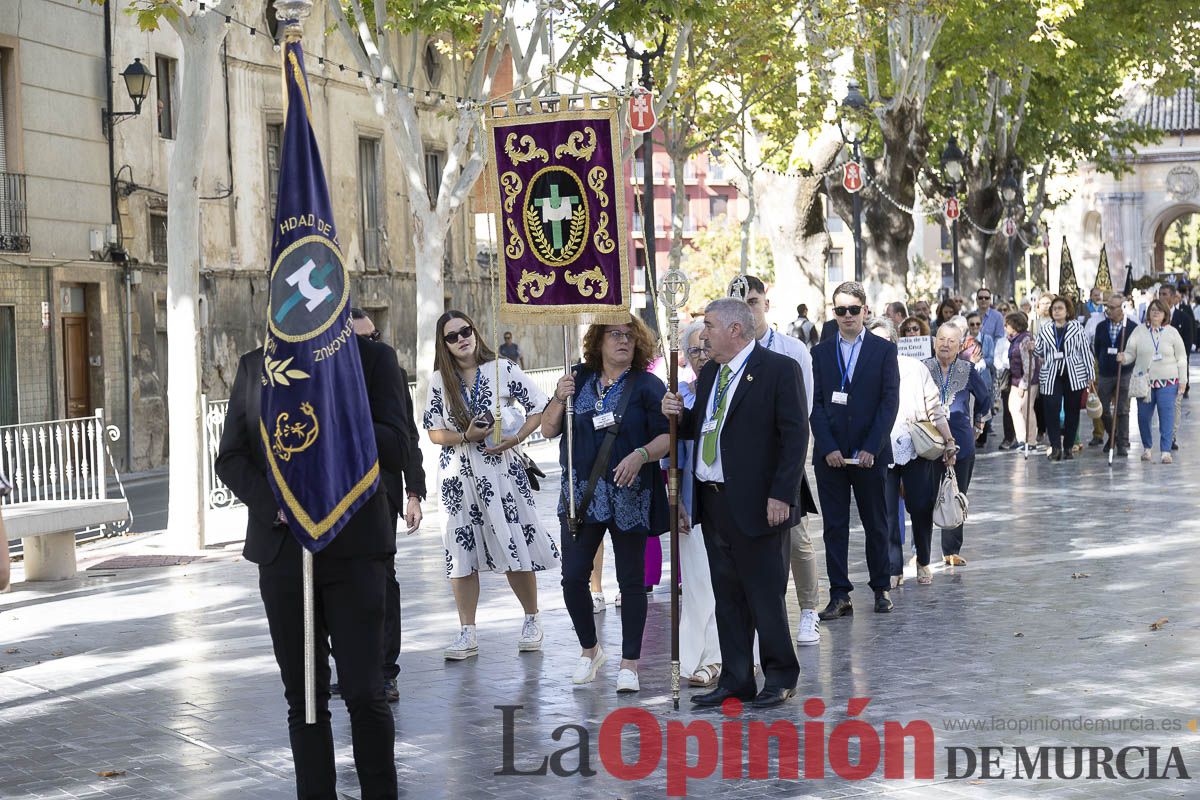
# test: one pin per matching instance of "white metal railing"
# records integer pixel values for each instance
(218, 495)
(63, 459)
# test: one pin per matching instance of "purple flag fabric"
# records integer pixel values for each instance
(561, 224)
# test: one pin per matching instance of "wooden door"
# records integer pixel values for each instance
(75, 366)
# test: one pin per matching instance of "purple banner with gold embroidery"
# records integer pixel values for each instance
(559, 203)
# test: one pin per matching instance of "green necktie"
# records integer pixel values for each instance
(708, 450)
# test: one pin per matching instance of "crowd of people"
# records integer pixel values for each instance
(895, 433)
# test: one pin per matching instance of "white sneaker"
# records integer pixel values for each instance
(627, 681)
(810, 627)
(617, 602)
(531, 635)
(466, 646)
(597, 602)
(586, 669)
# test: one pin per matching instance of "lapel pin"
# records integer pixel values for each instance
(749, 378)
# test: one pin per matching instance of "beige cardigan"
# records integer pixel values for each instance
(1174, 363)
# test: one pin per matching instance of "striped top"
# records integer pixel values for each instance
(1064, 351)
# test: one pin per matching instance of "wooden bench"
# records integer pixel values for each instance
(47, 532)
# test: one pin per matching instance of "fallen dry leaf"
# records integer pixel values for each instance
(111, 773)
(1158, 624)
(1018, 634)
(12, 650)
(1075, 575)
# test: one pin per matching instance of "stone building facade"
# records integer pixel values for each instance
(95, 246)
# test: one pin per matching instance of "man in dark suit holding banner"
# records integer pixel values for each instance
(313, 416)
(748, 422)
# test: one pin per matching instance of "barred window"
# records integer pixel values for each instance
(158, 237)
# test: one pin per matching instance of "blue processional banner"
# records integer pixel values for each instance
(316, 420)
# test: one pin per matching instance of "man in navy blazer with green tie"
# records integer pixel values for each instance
(856, 394)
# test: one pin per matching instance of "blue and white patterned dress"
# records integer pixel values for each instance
(491, 519)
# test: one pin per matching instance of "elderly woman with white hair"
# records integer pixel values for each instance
(966, 395)
(919, 402)
(699, 648)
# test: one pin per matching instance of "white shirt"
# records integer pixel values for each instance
(797, 351)
(713, 472)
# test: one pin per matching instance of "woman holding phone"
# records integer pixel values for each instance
(491, 521)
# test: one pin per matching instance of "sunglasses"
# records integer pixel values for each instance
(842, 311)
(461, 333)
(914, 331)
(984, 297)
(975, 324)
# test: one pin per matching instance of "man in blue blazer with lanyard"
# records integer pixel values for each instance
(856, 394)
(748, 423)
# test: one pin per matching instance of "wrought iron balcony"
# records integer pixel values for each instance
(14, 221)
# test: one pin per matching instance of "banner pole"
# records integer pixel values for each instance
(675, 293)
(310, 641)
(1116, 404)
(570, 430)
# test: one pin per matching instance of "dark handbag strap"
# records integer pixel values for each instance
(601, 462)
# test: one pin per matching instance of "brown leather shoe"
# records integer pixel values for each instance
(955, 561)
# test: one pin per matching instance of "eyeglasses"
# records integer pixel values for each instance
(975, 324)
(620, 336)
(842, 311)
(984, 297)
(911, 331)
(461, 333)
(695, 352)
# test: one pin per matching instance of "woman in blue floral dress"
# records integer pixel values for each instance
(491, 520)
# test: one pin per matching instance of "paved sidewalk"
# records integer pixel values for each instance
(164, 674)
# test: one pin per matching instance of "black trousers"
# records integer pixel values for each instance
(833, 488)
(629, 553)
(952, 538)
(391, 614)
(349, 598)
(749, 578)
(1062, 435)
(919, 478)
(1010, 427)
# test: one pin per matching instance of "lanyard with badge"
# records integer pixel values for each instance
(604, 418)
(1060, 340)
(1157, 340)
(946, 387)
(473, 398)
(842, 397)
(771, 339)
(718, 397)
(1114, 333)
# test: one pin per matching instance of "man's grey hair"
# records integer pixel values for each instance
(730, 310)
(884, 324)
(685, 336)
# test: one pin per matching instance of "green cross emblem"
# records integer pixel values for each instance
(556, 210)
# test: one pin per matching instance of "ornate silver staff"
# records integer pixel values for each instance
(674, 292)
(291, 15)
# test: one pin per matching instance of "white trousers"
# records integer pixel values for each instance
(698, 644)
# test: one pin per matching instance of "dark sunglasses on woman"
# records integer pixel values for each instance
(461, 333)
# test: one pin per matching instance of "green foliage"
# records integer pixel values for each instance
(715, 257)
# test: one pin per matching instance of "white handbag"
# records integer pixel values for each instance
(950, 508)
(1139, 385)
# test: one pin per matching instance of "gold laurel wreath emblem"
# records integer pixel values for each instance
(516, 245)
(531, 153)
(583, 280)
(596, 179)
(533, 284)
(601, 239)
(541, 245)
(295, 437)
(511, 183)
(278, 373)
(574, 145)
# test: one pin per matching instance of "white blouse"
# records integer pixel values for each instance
(919, 399)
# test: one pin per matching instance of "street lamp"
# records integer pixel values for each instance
(952, 163)
(137, 83)
(854, 123)
(1009, 189)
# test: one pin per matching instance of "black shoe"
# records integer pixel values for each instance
(1056, 454)
(1122, 452)
(769, 698)
(390, 691)
(649, 590)
(883, 602)
(1096, 441)
(1007, 444)
(1174, 445)
(720, 695)
(335, 689)
(838, 607)
(1067, 454)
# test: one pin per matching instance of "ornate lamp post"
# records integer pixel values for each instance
(952, 163)
(854, 124)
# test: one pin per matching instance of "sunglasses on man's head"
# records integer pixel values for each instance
(461, 333)
(842, 311)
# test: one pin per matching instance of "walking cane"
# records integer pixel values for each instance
(675, 294)
(1116, 404)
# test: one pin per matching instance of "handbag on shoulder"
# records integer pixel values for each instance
(926, 438)
(950, 509)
